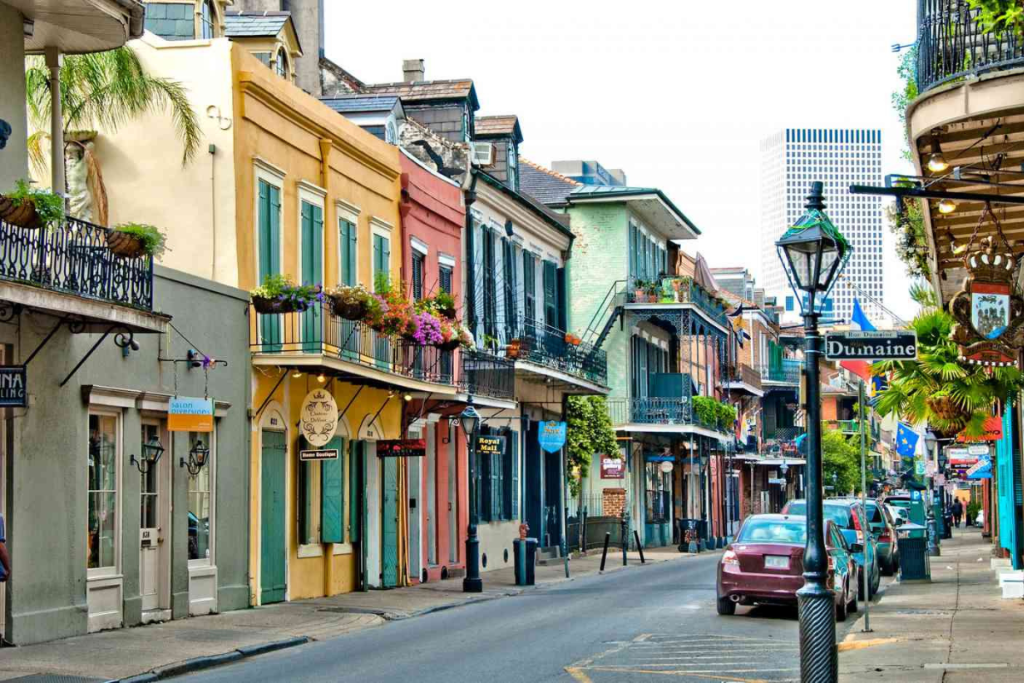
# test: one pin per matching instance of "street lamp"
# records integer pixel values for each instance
(470, 420)
(813, 253)
(931, 442)
(198, 456)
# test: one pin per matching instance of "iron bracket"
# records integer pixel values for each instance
(121, 339)
(270, 395)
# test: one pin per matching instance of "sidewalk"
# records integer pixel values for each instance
(953, 630)
(128, 652)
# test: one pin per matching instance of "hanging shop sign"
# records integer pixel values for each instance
(551, 436)
(327, 454)
(981, 469)
(987, 311)
(992, 430)
(489, 445)
(402, 448)
(318, 419)
(13, 383)
(887, 345)
(613, 468)
(190, 414)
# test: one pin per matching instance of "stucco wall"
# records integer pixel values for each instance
(13, 158)
(46, 478)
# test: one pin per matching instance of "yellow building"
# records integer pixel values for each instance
(287, 186)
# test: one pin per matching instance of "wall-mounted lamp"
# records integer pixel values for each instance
(321, 378)
(198, 456)
(296, 374)
(151, 453)
(127, 349)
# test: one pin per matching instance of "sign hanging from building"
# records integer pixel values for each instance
(551, 436)
(884, 345)
(992, 430)
(489, 445)
(613, 468)
(402, 448)
(987, 311)
(981, 469)
(190, 414)
(328, 454)
(318, 419)
(13, 387)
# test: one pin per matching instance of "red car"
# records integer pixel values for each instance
(764, 565)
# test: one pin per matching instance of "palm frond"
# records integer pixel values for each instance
(38, 153)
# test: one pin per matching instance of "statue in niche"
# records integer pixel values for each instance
(87, 196)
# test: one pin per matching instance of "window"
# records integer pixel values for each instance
(550, 294)
(391, 134)
(508, 250)
(513, 166)
(445, 278)
(149, 491)
(103, 456)
(263, 57)
(347, 251)
(381, 261)
(309, 497)
(417, 275)
(490, 285)
(206, 19)
(658, 501)
(498, 479)
(281, 65)
(200, 503)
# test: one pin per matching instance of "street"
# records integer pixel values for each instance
(628, 626)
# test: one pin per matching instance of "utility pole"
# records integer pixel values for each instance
(863, 504)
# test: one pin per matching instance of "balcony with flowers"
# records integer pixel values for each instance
(675, 292)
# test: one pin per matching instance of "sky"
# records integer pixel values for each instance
(678, 94)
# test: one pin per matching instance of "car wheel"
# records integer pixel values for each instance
(841, 608)
(888, 567)
(726, 607)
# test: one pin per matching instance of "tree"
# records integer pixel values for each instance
(841, 459)
(1000, 15)
(103, 90)
(589, 431)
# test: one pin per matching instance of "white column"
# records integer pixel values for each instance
(54, 60)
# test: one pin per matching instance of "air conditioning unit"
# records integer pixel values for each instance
(483, 153)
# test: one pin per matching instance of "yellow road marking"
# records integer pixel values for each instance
(725, 678)
(578, 674)
(848, 645)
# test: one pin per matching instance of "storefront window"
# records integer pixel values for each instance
(659, 493)
(200, 503)
(102, 453)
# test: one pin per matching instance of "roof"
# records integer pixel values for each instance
(239, 24)
(425, 91)
(559, 221)
(585, 193)
(347, 104)
(498, 126)
(545, 185)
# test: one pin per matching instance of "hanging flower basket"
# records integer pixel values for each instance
(449, 345)
(350, 310)
(448, 312)
(124, 245)
(265, 306)
(24, 215)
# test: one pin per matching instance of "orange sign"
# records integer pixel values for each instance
(992, 430)
(190, 415)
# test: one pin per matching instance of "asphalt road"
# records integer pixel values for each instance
(637, 625)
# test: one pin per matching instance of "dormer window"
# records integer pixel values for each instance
(207, 20)
(281, 65)
(513, 166)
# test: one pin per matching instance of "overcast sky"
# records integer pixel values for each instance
(678, 94)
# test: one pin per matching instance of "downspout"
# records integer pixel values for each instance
(469, 185)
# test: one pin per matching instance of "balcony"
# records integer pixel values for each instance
(787, 374)
(320, 338)
(673, 292)
(544, 345)
(487, 375)
(656, 411)
(952, 46)
(745, 378)
(852, 427)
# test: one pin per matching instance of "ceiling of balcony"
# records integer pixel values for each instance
(80, 26)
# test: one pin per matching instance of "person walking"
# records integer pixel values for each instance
(958, 512)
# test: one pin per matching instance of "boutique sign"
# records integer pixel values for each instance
(13, 387)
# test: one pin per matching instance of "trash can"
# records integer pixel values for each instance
(915, 564)
(689, 535)
(531, 561)
(519, 560)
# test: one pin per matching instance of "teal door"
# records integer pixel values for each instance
(312, 273)
(269, 228)
(389, 524)
(272, 555)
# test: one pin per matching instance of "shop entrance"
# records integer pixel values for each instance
(154, 527)
(272, 551)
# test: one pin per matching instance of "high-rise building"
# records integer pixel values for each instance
(839, 157)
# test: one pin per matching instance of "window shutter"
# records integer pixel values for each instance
(264, 229)
(482, 476)
(317, 248)
(550, 309)
(496, 486)
(507, 479)
(632, 251)
(275, 229)
(561, 294)
(445, 276)
(354, 483)
(332, 494)
(386, 256)
(348, 253)
(529, 287)
(417, 276)
(515, 474)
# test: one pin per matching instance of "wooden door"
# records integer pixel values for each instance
(272, 542)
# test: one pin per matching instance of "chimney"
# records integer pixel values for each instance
(413, 70)
(618, 174)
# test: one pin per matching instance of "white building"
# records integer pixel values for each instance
(793, 158)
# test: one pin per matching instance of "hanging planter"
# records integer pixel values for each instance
(449, 345)
(277, 294)
(22, 215)
(125, 245)
(30, 208)
(132, 240)
(350, 302)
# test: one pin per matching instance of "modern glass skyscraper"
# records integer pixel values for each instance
(839, 157)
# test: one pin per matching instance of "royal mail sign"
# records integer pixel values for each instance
(889, 345)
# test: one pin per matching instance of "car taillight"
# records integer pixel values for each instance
(857, 527)
(885, 536)
(730, 558)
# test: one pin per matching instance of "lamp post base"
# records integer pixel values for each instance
(819, 658)
(472, 583)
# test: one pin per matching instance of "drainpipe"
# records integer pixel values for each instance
(54, 60)
(470, 293)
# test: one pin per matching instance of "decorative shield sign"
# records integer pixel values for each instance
(551, 436)
(990, 309)
(319, 418)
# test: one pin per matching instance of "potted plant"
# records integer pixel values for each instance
(512, 348)
(350, 301)
(31, 208)
(639, 290)
(444, 303)
(278, 294)
(131, 240)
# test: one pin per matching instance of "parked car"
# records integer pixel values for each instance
(900, 516)
(883, 528)
(764, 565)
(848, 515)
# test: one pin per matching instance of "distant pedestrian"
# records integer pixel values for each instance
(5, 559)
(958, 512)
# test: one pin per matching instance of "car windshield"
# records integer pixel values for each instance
(840, 514)
(774, 531)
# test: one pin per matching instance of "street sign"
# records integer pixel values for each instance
(890, 345)
(981, 469)
(489, 445)
(613, 468)
(13, 382)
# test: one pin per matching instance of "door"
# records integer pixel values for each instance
(272, 550)
(414, 488)
(431, 516)
(534, 475)
(312, 273)
(154, 553)
(357, 509)
(389, 523)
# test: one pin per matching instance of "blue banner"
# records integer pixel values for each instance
(551, 436)
(906, 440)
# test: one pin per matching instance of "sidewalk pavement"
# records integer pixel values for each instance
(955, 629)
(123, 653)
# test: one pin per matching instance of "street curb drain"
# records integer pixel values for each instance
(200, 663)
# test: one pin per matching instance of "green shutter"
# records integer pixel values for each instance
(312, 238)
(332, 494)
(269, 245)
(347, 247)
(508, 485)
(386, 256)
(514, 437)
(496, 486)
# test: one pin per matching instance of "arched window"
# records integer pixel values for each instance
(207, 19)
(282, 65)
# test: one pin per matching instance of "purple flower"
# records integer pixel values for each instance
(428, 329)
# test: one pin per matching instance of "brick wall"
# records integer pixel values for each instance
(613, 502)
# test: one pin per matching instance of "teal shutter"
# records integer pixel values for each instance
(550, 294)
(385, 265)
(514, 437)
(269, 245)
(332, 494)
(496, 486)
(348, 253)
(312, 232)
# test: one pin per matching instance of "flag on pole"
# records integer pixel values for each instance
(906, 441)
(859, 321)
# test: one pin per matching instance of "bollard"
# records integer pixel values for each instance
(636, 535)
(625, 539)
(604, 553)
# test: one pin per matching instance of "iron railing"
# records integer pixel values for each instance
(319, 331)
(787, 373)
(677, 290)
(747, 375)
(486, 375)
(541, 344)
(951, 45)
(72, 257)
(656, 411)
(784, 433)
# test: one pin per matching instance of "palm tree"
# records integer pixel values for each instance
(103, 90)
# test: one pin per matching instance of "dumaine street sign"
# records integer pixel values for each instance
(871, 345)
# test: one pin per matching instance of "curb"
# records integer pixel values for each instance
(209, 661)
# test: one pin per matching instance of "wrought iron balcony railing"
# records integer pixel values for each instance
(656, 411)
(783, 433)
(675, 290)
(951, 45)
(541, 344)
(787, 373)
(487, 375)
(320, 331)
(747, 375)
(72, 257)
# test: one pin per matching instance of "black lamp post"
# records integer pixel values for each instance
(930, 442)
(813, 253)
(470, 420)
